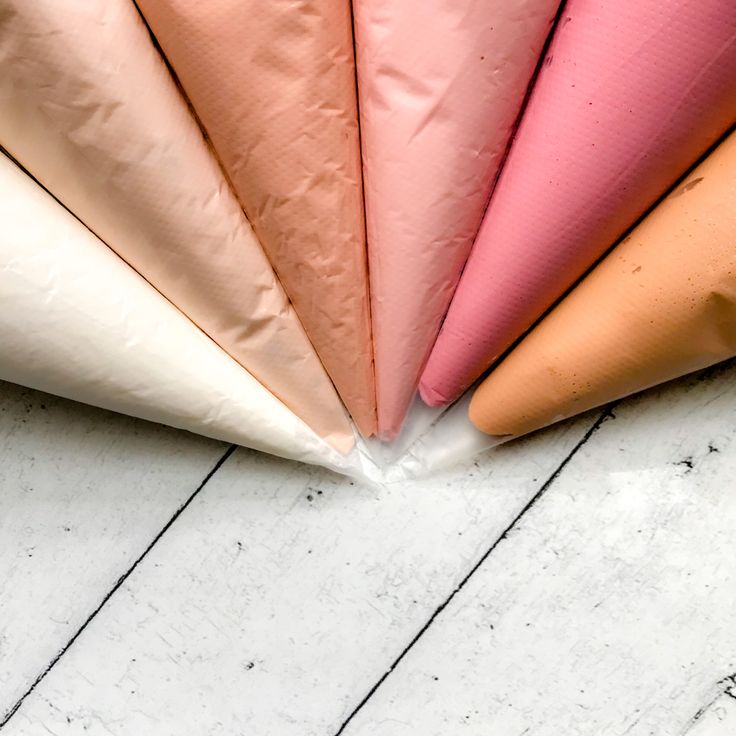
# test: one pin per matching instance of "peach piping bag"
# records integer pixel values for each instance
(273, 83)
(77, 321)
(88, 106)
(660, 305)
(440, 87)
(630, 95)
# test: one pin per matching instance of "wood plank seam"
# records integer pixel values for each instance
(604, 416)
(121, 580)
(727, 687)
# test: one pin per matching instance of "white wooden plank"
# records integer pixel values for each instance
(717, 719)
(610, 609)
(280, 595)
(82, 494)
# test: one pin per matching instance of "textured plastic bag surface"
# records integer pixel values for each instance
(440, 83)
(660, 305)
(78, 322)
(88, 106)
(273, 83)
(630, 95)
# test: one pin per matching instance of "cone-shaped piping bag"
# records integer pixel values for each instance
(660, 305)
(273, 83)
(630, 95)
(88, 106)
(440, 83)
(77, 321)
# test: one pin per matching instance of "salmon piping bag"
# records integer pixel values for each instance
(273, 84)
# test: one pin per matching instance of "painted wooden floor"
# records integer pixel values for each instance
(580, 581)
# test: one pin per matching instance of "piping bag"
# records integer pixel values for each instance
(78, 322)
(273, 84)
(89, 108)
(440, 84)
(662, 304)
(630, 95)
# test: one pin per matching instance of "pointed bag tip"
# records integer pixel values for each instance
(240, 62)
(388, 433)
(391, 420)
(365, 421)
(487, 412)
(341, 441)
(431, 396)
(498, 408)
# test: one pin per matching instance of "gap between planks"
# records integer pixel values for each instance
(119, 583)
(723, 688)
(606, 414)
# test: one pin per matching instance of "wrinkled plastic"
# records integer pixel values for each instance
(449, 441)
(76, 321)
(660, 305)
(88, 106)
(630, 95)
(440, 83)
(433, 444)
(273, 83)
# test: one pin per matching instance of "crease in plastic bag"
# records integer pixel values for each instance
(273, 84)
(432, 441)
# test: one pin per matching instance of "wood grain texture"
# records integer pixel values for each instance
(280, 595)
(285, 600)
(718, 717)
(610, 609)
(82, 494)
